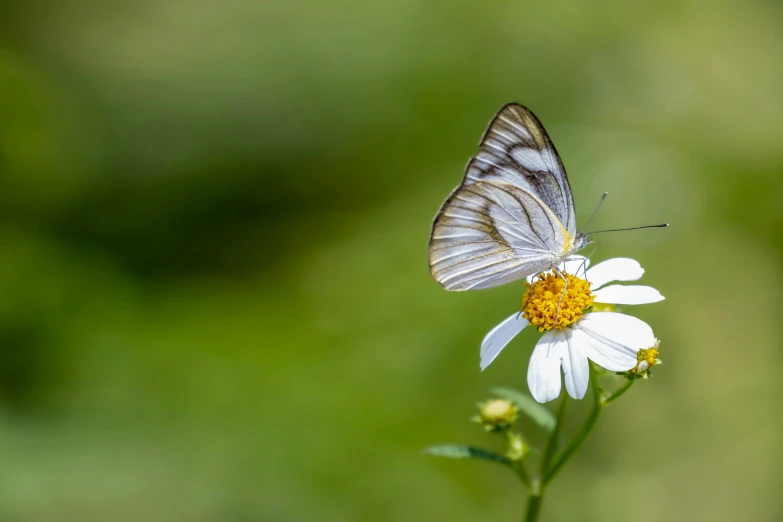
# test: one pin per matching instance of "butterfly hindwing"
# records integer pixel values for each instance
(492, 232)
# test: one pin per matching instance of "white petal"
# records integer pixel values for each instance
(616, 269)
(612, 357)
(500, 336)
(543, 372)
(576, 370)
(575, 265)
(614, 339)
(621, 328)
(628, 295)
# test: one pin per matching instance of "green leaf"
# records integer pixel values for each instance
(527, 405)
(455, 451)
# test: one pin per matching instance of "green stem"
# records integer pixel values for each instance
(552, 443)
(579, 439)
(537, 488)
(583, 432)
(550, 469)
(619, 391)
(519, 469)
(533, 506)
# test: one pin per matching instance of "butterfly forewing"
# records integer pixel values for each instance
(516, 148)
(512, 214)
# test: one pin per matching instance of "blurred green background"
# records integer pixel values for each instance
(215, 303)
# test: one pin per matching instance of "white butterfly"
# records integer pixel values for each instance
(513, 214)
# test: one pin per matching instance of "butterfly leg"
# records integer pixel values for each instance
(582, 265)
(565, 288)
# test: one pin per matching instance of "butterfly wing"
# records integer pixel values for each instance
(517, 149)
(493, 232)
(512, 214)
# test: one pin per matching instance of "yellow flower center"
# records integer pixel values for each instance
(546, 306)
(646, 359)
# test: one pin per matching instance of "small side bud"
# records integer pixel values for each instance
(497, 414)
(646, 358)
(517, 448)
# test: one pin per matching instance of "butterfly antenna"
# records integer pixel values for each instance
(596, 209)
(662, 225)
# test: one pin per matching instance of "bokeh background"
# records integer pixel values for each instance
(215, 303)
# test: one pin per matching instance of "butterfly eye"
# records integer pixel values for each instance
(582, 241)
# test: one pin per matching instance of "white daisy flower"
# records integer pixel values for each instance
(575, 331)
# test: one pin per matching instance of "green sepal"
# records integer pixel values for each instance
(527, 405)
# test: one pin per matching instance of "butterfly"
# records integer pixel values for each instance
(513, 214)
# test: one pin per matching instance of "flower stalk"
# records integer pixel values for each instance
(584, 430)
(551, 466)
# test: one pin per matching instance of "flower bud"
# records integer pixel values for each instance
(497, 414)
(517, 448)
